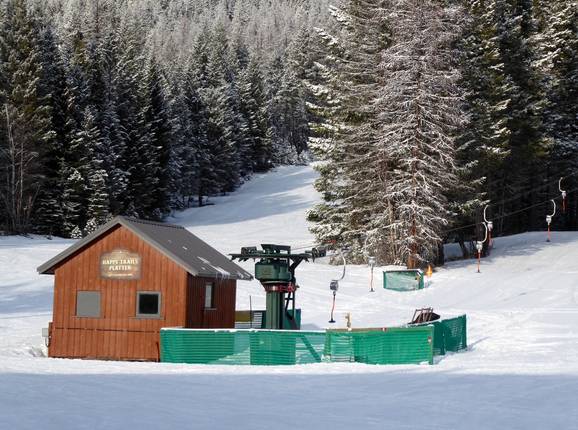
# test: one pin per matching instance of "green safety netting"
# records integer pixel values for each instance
(258, 347)
(450, 335)
(407, 345)
(403, 280)
(410, 345)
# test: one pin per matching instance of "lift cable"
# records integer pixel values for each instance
(530, 191)
(511, 213)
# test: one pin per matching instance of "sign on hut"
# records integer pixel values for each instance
(115, 289)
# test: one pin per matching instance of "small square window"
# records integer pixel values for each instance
(148, 304)
(88, 304)
(209, 295)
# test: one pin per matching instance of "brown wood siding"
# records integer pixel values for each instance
(118, 333)
(222, 315)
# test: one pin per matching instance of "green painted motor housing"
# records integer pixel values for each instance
(272, 271)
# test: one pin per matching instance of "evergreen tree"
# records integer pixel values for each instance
(98, 204)
(527, 147)
(355, 164)
(557, 60)
(72, 200)
(223, 117)
(53, 88)
(26, 120)
(96, 194)
(390, 161)
(420, 112)
(256, 153)
(156, 116)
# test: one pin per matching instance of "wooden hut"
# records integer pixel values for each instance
(116, 288)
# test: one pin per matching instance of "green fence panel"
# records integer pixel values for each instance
(439, 342)
(403, 345)
(403, 280)
(257, 347)
(455, 333)
(407, 345)
(449, 335)
(286, 347)
(205, 346)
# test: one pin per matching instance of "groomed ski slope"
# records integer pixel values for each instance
(521, 370)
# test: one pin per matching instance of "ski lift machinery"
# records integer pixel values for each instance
(276, 272)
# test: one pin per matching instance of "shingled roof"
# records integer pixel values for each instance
(177, 243)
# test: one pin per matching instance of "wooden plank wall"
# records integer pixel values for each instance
(117, 334)
(222, 315)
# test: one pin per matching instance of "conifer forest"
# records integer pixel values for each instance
(419, 115)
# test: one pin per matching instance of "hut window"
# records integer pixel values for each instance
(88, 304)
(148, 304)
(209, 295)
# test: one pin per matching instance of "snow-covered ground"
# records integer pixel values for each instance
(520, 372)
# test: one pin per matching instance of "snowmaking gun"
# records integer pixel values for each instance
(276, 272)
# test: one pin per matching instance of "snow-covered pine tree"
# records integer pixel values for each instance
(202, 178)
(252, 106)
(328, 217)
(97, 210)
(94, 75)
(195, 146)
(290, 117)
(26, 126)
(420, 113)
(483, 145)
(557, 60)
(486, 138)
(76, 233)
(523, 168)
(96, 194)
(299, 68)
(53, 87)
(77, 165)
(353, 174)
(220, 136)
(91, 227)
(135, 142)
(73, 198)
(160, 128)
(223, 117)
(179, 156)
(273, 75)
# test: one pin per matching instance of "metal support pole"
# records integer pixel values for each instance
(333, 308)
(479, 258)
(480, 245)
(371, 262)
(563, 195)
(549, 220)
(371, 290)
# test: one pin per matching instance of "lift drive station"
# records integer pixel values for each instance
(276, 272)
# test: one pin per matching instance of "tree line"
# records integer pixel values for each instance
(430, 110)
(143, 107)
